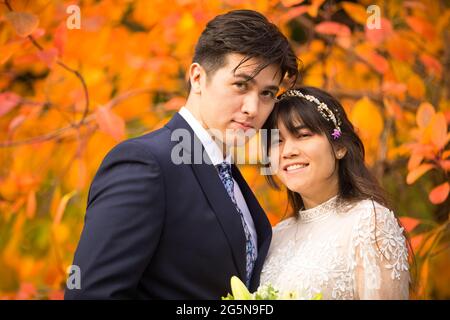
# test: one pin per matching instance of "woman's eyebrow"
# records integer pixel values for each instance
(300, 127)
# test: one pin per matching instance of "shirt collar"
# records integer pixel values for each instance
(212, 149)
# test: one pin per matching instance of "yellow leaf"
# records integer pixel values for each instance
(110, 123)
(62, 206)
(416, 88)
(356, 11)
(24, 23)
(418, 172)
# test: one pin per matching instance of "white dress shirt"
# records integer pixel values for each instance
(216, 156)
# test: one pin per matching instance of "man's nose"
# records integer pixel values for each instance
(250, 106)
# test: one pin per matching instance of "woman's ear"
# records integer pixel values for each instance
(196, 73)
(340, 152)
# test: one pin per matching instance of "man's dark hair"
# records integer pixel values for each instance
(249, 33)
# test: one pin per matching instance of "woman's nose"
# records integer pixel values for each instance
(290, 149)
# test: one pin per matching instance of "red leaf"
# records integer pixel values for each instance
(440, 193)
(8, 101)
(377, 36)
(432, 64)
(409, 223)
(333, 28)
(24, 23)
(110, 123)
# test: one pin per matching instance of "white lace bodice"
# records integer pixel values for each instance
(332, 249)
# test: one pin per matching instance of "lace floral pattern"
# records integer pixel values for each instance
(340, 252)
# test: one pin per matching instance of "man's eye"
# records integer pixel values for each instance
(241, 85)
(269, 94)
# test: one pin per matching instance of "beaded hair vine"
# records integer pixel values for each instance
(323, 109)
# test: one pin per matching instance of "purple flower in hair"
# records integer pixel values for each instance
(336, 134)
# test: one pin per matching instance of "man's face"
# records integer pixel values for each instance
(232, 105)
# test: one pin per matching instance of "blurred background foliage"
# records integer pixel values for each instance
(67, 96)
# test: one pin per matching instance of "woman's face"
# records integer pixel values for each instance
(307, 163)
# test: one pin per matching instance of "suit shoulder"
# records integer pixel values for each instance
(143, 148)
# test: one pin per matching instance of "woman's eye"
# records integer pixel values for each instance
(304, 134)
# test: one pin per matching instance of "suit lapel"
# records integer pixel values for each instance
(216, 195)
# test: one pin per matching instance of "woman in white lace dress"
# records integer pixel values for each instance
(342, 242)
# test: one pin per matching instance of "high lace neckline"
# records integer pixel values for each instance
(318, 212)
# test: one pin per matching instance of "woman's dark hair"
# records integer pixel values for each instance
(248, 33)
(356, 182)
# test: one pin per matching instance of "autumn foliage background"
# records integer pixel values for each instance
(67, 96)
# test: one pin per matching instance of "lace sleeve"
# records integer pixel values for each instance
(380, 255)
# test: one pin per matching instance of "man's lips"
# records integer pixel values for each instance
(243, 125)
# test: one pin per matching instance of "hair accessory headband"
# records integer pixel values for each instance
(323, 109)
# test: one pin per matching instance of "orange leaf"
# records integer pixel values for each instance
(424, 114)
(333, 28)
(440, 193)
(445, 164)
(422, 27)
(293, 13)
(110, 123)
(48, 56)
(31, 204)
(416, 241)
(175, 103)
(415, 160)
(401, 49)
(416, 88)
(418, 172)
(409, 223)
(290, 3)
(439, 132)
(24, 23)
(446, 154)
(8, 100)
(356, 11)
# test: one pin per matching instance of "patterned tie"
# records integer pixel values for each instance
(225, 175)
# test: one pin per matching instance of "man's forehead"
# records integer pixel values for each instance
(239, 66)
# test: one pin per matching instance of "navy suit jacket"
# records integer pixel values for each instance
(157, 230)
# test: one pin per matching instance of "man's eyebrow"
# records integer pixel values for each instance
(251, 79)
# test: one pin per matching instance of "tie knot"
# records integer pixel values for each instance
(224, 168)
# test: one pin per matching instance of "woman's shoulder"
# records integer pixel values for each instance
(284, 224)
(371, 215)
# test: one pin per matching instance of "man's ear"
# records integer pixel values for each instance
(196, 75)
(340, 152)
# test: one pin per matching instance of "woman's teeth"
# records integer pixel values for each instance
(296, 166)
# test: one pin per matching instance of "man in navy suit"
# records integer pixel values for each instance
(160, 224)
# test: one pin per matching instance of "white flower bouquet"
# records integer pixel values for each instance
(266, 292)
